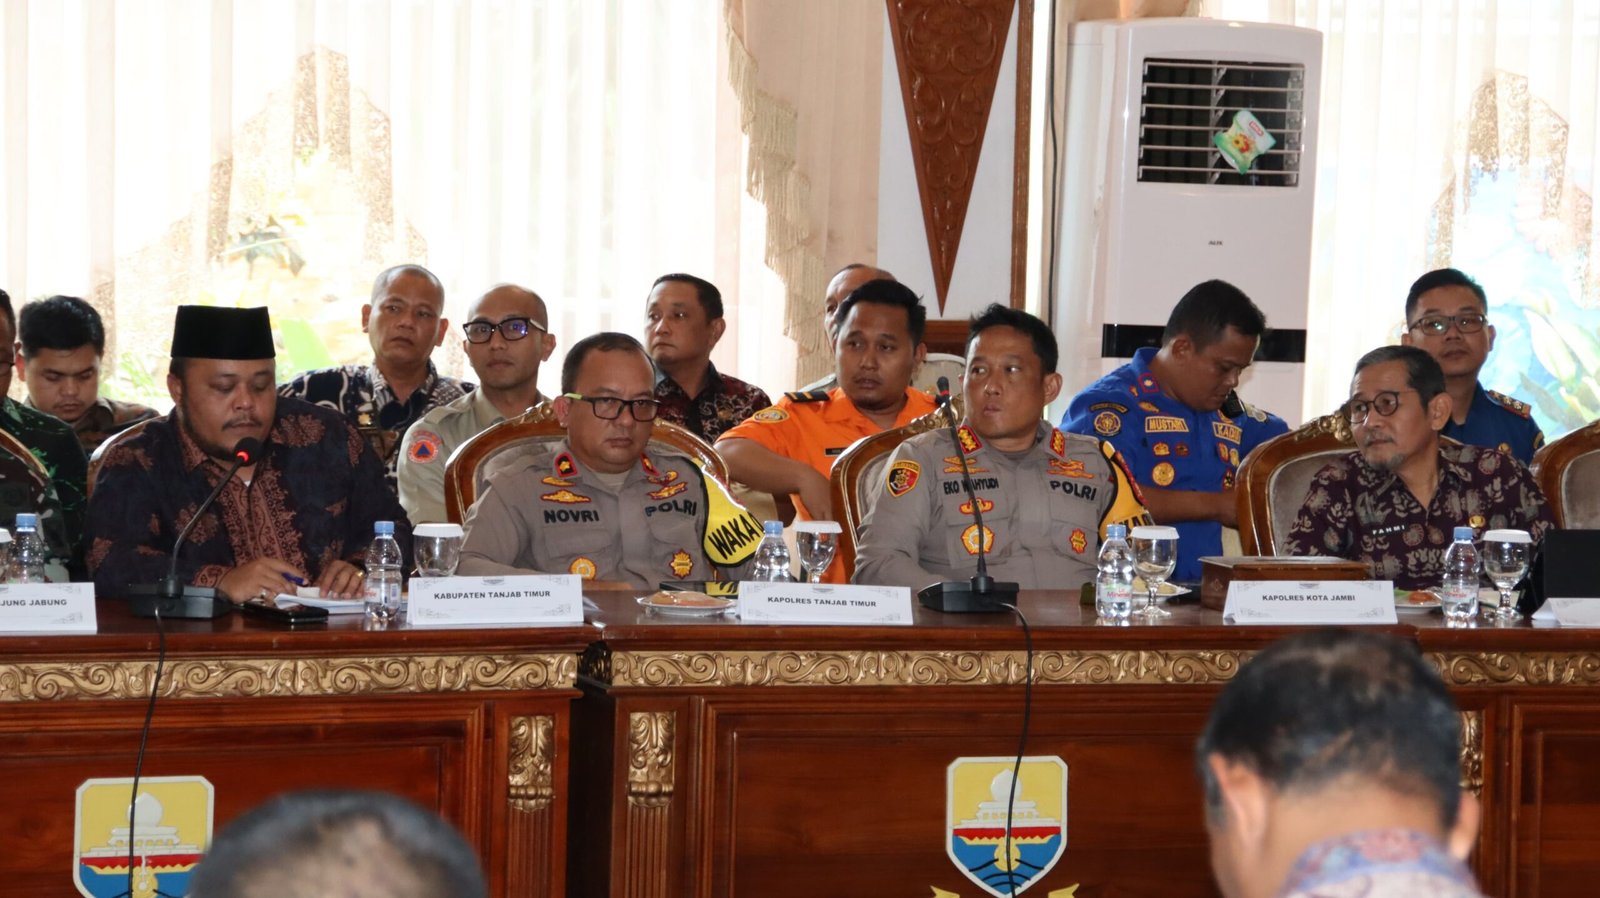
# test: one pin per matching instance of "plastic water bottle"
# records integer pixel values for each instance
(1113, 584)
(1458, 592)
(28, 553)
(382, 597)
(772, 556)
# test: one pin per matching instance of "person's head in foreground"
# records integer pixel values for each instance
(338, 844)
(1334, 754)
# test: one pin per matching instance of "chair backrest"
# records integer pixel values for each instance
(859, 470)
(936, 365)
(97, 458)
(1568, 470)
(465, 470)
(1273, 480)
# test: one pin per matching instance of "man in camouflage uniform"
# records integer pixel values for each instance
(1046, 496)
(597, 504)
(1395, 502)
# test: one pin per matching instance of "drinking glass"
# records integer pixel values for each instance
(438, 548)
(1155, 553)
(1505, 560)
(816, 542)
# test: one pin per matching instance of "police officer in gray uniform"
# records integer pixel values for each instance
(1045, 495)
(596, 504)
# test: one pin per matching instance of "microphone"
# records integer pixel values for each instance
(982, 593)
(170, 597)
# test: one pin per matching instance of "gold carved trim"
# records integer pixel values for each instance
(531, 762)
(1472, 752)
(920, 668)
(274, 677)
(1518, 668)
(650, 757)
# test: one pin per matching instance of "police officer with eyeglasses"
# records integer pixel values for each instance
(1447, 315)
(603, 503)
(507, 339)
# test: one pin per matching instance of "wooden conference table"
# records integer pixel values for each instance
(709, 758)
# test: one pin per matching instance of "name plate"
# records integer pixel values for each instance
(47, 608)
(1310, 602)
(1574, 612)
(523, 600)
(764, 602)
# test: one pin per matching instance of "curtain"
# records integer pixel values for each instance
(1460, 134)
(171, 151)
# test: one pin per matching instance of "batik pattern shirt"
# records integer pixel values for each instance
(723, 402)
(1385, 863)
(362, 394)
(1356, 511)
(312, 499)
(56, 447)
(105, 419)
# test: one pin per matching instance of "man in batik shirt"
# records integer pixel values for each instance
(1356, 792)
(303, 511)
(1396, 501)
(403, 322)
(63, 342)
(53, 443)
(683, 322)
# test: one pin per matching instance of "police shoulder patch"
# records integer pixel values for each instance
(902, 477)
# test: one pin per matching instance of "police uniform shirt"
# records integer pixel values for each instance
(1169, 445)
(541, 512)
(1044, 511)
(427, 447)
(1496, 421)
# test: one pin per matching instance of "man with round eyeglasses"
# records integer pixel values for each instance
(601, 503)
(1447, 315)
(507, 339)
(1396, 500)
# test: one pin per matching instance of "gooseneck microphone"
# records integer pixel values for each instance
(170, 597)
(982, 593)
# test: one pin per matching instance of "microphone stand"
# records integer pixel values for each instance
(170, 597)
(982, 594)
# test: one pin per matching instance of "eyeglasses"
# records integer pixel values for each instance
(512, 329)
(609, 408)
(1385, 403)
(1466, 322)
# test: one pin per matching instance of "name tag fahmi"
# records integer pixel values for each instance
(762, 602)
(1310, 602)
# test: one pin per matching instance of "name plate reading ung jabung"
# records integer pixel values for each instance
(47, 608)
(762, 602)
(523, 600)
(1310, 602)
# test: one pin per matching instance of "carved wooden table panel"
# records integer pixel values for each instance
(474, 724)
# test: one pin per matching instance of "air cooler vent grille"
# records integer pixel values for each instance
(1183, 102)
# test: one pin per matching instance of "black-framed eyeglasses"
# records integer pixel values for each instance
(512, 329)
(1466, 322)
(1384, 403)
(609, 408)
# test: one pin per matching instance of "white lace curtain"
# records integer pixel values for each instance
(168, 151)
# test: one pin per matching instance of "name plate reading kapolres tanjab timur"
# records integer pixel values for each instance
(525, 600)
(66, 608)
(763, 602)
(1311, 602)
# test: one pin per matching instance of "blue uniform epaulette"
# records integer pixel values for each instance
(807, 395)
(1516, 406)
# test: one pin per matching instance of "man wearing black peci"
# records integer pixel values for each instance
(304, 511)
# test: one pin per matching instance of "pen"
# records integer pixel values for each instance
(293, 579)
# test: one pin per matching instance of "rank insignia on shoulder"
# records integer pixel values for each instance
(1256, 414)
(1058, 442)
(968, 438)
(1515, 406)
(808, 396)
(565, 466)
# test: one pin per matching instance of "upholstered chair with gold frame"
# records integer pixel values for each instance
(1568, 471)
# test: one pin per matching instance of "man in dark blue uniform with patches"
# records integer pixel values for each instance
(1173, 415)
(1447, 314)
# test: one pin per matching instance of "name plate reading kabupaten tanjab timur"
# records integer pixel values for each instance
(1310, 602)
(521, 600)
(66, 608)
(763, 602)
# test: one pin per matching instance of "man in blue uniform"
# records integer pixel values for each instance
(1173, 415)
(1447, 315)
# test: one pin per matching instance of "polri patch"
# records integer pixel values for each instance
(902, 477)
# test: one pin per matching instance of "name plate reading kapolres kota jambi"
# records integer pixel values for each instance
(65, 608)
(1287, 602)
(762, 602)
(521, 601)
